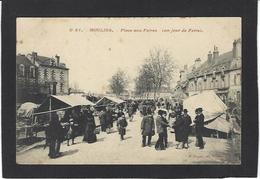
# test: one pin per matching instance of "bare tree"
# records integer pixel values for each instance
(118, 82)
(143, 83)
(158, 70)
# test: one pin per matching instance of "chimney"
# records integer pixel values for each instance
(215, 52)
(237, 48)
(57, 60)
(210, 57)
(34, 57)
(197, 62)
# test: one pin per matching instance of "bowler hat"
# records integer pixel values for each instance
(199, 110)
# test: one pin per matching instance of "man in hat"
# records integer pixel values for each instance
(186, 128)
(161, 125)
(199, 125)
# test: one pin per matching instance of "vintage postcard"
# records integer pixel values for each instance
(129, 91)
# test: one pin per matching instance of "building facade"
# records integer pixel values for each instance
(220, 72)
(53, 76)
(27, 87)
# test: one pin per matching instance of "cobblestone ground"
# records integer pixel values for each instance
(110, 150)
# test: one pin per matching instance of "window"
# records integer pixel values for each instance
(21, 70)
(53, 75)
(32, 72)
(235, 79)
(62, 76)
(238, 96)
(61, 87)
(45, 74)
(238, 79)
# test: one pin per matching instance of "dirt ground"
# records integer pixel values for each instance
(109, 149)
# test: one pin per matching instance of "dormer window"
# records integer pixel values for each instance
(214, 75)
(205, 77)
(195, 79)
(223, 72)
(52, 62)
(32, 71)
(21, 70)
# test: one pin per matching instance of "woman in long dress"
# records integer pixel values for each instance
(178, 129)
(90, 126)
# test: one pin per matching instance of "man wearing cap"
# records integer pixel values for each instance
(199, 125)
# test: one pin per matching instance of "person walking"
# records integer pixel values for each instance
(89, 134)
(130, 112)
(186, 128)
(109, 120)
(121, 126)
(55, 135)
(199, 125)
(102, 118)
(147, 128)
(161, 126)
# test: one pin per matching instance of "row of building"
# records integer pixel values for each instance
(38, 76)
(220, 72)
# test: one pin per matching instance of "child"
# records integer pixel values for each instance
(121, 125)
(71, 132)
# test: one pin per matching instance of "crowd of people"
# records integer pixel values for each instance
(66, 125)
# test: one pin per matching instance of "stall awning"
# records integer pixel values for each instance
(55, 102)
(106, 100)
(214, 110)
(74, 100)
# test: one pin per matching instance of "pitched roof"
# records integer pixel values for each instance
(22, 59)
(43, 60)
(47, 61)
(223, 60)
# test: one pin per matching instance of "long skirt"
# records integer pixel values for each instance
(89, 135)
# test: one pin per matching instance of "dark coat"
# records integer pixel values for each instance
(199, 120)
(147, 125)
(161, 125)
(130, 110)
(89, 133)
(186, 126)
(55, 129)
(199, 124)
(102, 118)
(121, 124)
(109, 118)
(178, 128)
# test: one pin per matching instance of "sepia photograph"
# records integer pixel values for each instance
(128, 91)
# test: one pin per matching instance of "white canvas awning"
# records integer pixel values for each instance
(55, 103)
(109, 100)
(213, 108)
(220, 124)
(74, 100)
(26, 109)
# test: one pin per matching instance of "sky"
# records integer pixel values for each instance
(122, 43)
